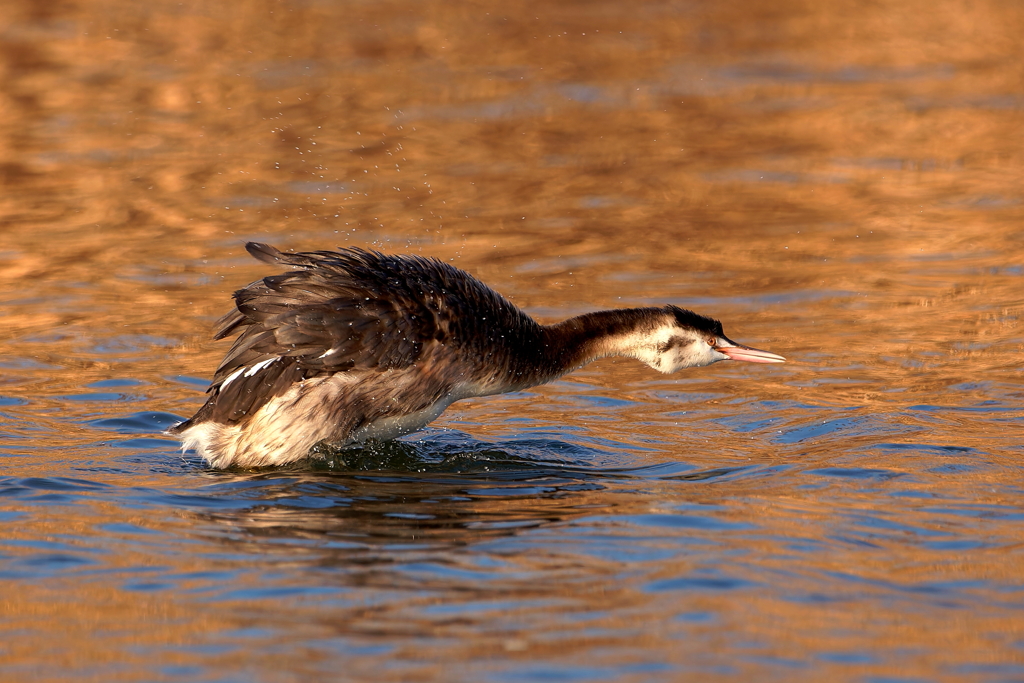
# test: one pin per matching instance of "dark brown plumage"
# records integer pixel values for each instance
(354, 344)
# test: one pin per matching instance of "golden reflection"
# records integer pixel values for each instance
(839, 182)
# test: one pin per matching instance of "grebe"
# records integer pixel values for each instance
(351, 345)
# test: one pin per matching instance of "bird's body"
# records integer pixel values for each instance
(351, 345)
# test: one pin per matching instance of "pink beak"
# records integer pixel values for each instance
(740, 352)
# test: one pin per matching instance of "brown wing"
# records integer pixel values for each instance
(337, 311)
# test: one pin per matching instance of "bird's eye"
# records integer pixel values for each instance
(711, 342)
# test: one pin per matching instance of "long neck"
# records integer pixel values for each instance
(530, 354)
(573, 343)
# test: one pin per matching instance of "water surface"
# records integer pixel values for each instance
(839, 183)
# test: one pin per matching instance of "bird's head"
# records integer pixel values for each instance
(683, 339)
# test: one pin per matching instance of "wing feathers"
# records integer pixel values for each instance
(263, 252)
(336, 311)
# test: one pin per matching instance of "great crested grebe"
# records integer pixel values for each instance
(352, 345)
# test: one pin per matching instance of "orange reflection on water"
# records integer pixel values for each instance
(839, 183)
